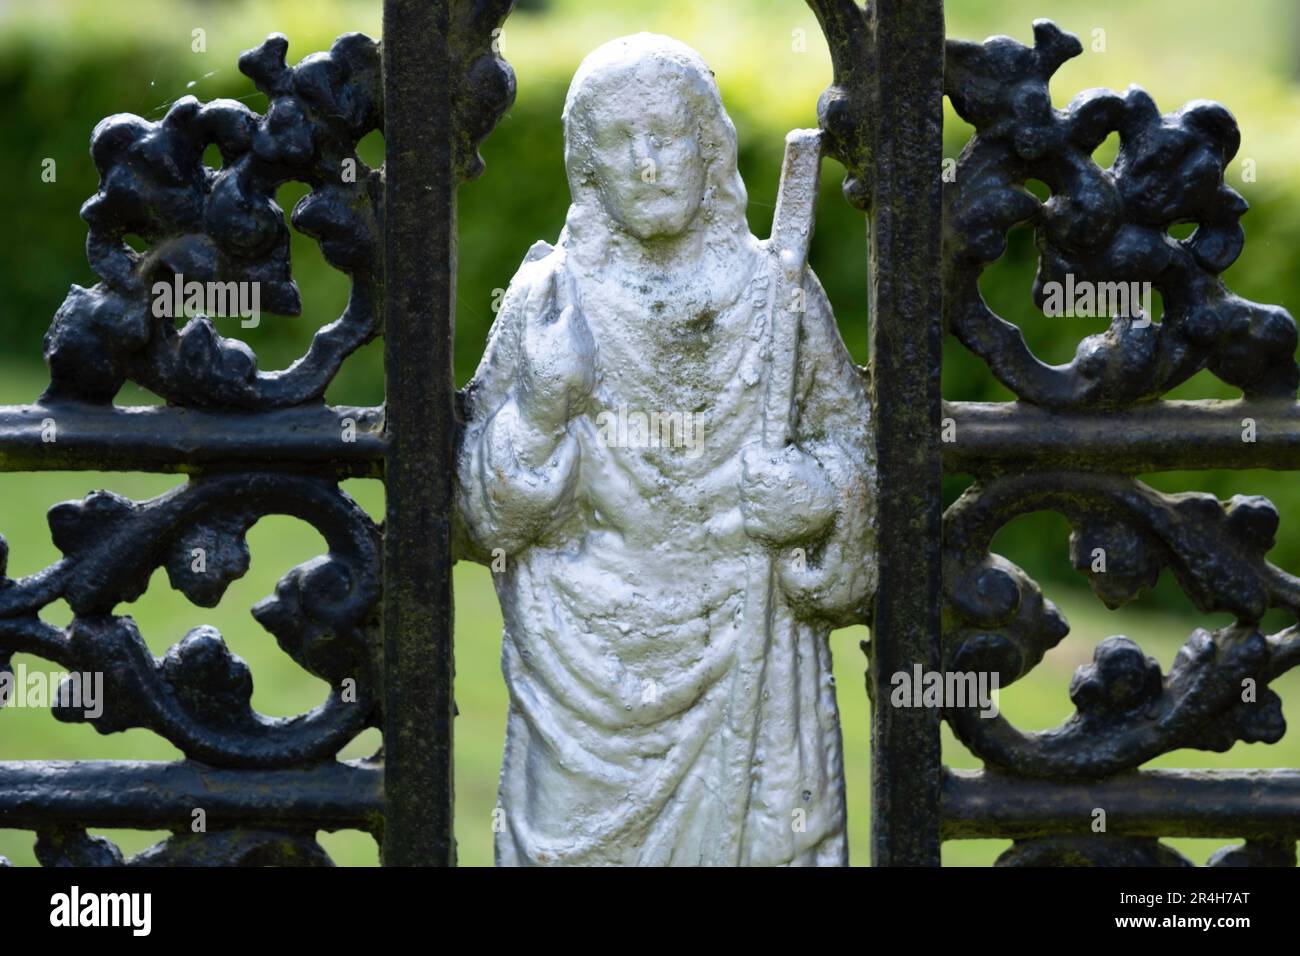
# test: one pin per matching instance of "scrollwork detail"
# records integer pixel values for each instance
(1127, 712)
(1102, 226)
(197, 696)
(224, 226)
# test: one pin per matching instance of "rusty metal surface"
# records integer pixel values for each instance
(172, 438)
(884, 120)
(430, 144)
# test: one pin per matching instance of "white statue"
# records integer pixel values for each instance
(669, 455)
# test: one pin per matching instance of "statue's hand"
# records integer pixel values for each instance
(785, 496)
(557, 368)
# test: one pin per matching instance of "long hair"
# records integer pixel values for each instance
(722, 211)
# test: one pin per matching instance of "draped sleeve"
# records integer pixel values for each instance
(834, 579)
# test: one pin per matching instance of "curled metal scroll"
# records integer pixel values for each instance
(323, 615)
(224, 226)
(997, 620)
(1102, 226)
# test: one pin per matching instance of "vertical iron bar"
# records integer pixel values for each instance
(906, 340)
(419, 263)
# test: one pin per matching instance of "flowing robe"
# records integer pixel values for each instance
(634, 735)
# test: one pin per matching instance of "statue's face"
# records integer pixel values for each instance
(645, 152)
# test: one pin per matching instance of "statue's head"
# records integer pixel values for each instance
(647, 138)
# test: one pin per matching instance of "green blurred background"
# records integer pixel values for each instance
(64, 64)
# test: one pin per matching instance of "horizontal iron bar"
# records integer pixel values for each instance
(989, 437)
(163, 438)
(1227, 804)
(157, 795)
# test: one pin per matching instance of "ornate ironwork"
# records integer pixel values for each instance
(212, 225)
(1108, 226)
(224, 225)
(1127, 713)
(1072, 444)
(257, 443)
(197, 696)
(1102, 226)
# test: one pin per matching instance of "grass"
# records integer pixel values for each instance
(281, 688)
